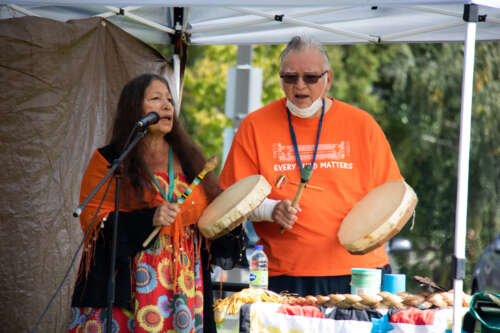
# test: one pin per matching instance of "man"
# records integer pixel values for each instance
(348, 156)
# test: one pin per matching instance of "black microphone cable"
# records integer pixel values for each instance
(134, 129)
(74, 258)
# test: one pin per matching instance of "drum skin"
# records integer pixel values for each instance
(230, 208)
(377, 217)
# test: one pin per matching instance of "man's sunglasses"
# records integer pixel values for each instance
(307, 78)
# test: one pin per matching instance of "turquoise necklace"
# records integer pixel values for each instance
(170, 178)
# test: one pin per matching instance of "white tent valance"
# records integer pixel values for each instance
(275, 22)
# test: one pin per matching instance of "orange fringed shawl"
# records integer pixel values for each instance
(190, 210)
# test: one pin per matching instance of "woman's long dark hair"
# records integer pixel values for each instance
(129, 111)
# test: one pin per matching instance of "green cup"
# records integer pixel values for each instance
(365, 281)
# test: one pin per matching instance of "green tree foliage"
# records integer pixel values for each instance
(355, 68)
(484, 207)
(422, 88)
(204, 95)
(414, 92)
(267, 57)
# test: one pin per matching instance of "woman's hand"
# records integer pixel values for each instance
(165, 214)
(284, 214)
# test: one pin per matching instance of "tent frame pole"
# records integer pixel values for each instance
(289, 20)
(126, 11)
(247, 22)
(408, 33)
(22, 10)
(471, 17)
(178, 14)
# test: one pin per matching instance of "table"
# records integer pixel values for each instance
(276, 318)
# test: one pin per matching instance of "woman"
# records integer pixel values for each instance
(166, 286)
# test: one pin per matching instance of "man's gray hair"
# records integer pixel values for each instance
(301, 43)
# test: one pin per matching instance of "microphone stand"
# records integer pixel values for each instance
(113, 169)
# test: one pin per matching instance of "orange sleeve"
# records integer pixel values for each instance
(241, 161)
(384, 165)
(94, 173)
(193, 206)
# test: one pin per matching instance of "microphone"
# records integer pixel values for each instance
(150, 119)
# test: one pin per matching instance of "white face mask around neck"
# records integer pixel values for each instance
(308, 111)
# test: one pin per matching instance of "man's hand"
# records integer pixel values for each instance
(165, 214)
(285, 215)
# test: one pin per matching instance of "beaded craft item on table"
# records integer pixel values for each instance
(382, 300)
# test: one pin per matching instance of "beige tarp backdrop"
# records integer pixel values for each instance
(59, 85)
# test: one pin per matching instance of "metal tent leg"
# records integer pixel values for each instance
(463, 165)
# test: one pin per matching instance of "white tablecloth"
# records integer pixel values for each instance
(275, 318)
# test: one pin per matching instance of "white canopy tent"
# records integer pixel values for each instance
(241, 22)
(247, 22)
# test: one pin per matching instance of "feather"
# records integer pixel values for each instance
(424, 281)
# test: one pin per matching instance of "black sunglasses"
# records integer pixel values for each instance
(307, 78)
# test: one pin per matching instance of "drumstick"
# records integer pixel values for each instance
(209, 166)
(305, 175)
(309, 186)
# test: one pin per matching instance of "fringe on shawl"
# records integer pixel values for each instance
(173, 233)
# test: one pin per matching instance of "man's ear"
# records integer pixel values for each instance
(329, 80)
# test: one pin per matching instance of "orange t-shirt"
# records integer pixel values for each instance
(353, 158)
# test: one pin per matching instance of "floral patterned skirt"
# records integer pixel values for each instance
(168, 293)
